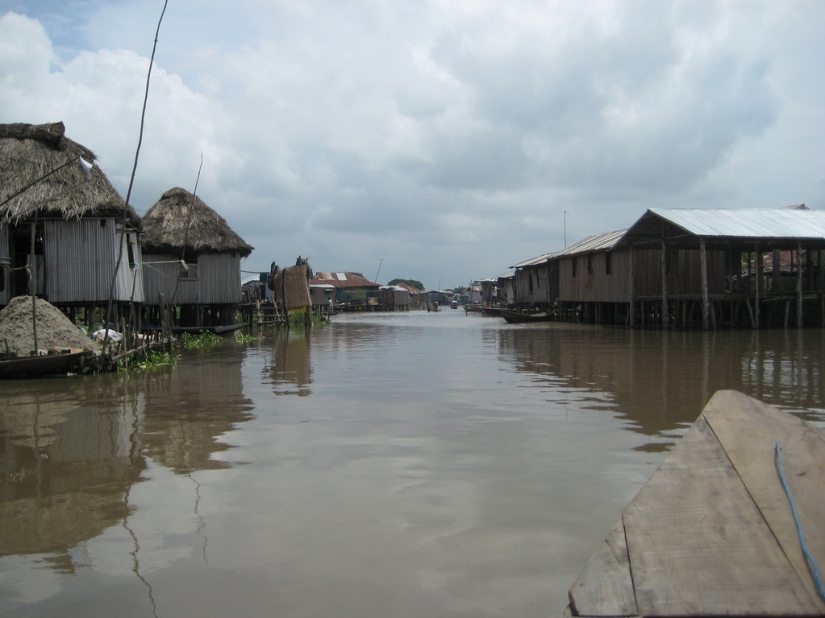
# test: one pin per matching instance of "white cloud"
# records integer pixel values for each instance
(345, 130)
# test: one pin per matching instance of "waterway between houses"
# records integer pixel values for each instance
(416, 464)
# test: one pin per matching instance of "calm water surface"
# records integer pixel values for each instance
(421, 464)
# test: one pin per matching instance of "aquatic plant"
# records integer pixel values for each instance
(202, 340)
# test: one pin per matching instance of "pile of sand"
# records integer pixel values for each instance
(54, 330)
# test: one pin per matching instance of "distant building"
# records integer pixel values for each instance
(350, 288)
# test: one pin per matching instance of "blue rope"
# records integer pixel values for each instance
(808, 557)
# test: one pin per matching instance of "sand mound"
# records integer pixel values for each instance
(53, 328)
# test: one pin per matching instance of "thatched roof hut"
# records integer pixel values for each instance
(30, 152)
(181, 220)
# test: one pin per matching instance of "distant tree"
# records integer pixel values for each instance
(411, 282)
(459, 289)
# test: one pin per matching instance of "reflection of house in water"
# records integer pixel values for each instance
(186, 412)
(290, 368)
(660, 381)
(66, 467)
(70, 454)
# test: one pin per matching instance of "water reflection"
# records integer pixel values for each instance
(289, 367)
(187, 410)
(70, 450)
(67, 464)
(660, 381)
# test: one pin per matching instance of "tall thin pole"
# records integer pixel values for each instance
(131, 181)
(380, 262)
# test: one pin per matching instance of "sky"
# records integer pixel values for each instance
(435, 140)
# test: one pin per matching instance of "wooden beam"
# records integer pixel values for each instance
(798, 284)
(757, 287)
(664, 284)
(703, 265)
(630, 259)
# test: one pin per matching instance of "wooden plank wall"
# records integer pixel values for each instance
(80, 260)
(219, 278)
(595, 286)
(541, 291)
(684, 276)
(5, 258)
(218, 282)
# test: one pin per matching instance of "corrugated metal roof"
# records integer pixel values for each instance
(533, 261)
(755, 223)
(342, 280)
(597, 242)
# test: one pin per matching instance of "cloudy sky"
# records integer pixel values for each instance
(440, 140)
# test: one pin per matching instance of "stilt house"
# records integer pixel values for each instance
(81, 230)
(534, 286)
(351, 289)
(712, 263)
(192, 260)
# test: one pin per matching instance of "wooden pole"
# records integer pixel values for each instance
(758, 257)
(664, 284)
(799, 284)
(33, 285)
(632, 314)
(703, 265)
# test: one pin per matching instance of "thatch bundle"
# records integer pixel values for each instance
(181, 222)
(28, 152)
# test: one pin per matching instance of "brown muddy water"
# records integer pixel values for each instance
(421, 464)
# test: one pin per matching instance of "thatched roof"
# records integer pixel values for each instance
(28, 152)
(165, 227)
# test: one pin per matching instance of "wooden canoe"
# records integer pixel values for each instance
(39, 366)
(514, 317)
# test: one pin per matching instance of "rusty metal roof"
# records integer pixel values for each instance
(727, 224)
(544, 257)
(342, 280)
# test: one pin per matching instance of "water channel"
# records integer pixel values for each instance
(415, 464)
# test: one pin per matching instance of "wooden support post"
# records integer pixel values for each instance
(750, 312)
(703, 265)
(798, 284)
(758, 286)
(632, 314)
(664, 284)
(776, 282)
(712, 315)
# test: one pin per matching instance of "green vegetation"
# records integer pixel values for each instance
(411, 282)
(153, 360)
(200, 341)
(242, 338)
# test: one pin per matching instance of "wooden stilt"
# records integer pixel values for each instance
(703, 266)
(664, 284)
(758, 257)
(631, 309)
(798, 285)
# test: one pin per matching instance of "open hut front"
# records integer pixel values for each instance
(757, 268)
(192, 260)
(72, 228)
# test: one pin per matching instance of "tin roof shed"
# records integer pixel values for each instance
(781, 228)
